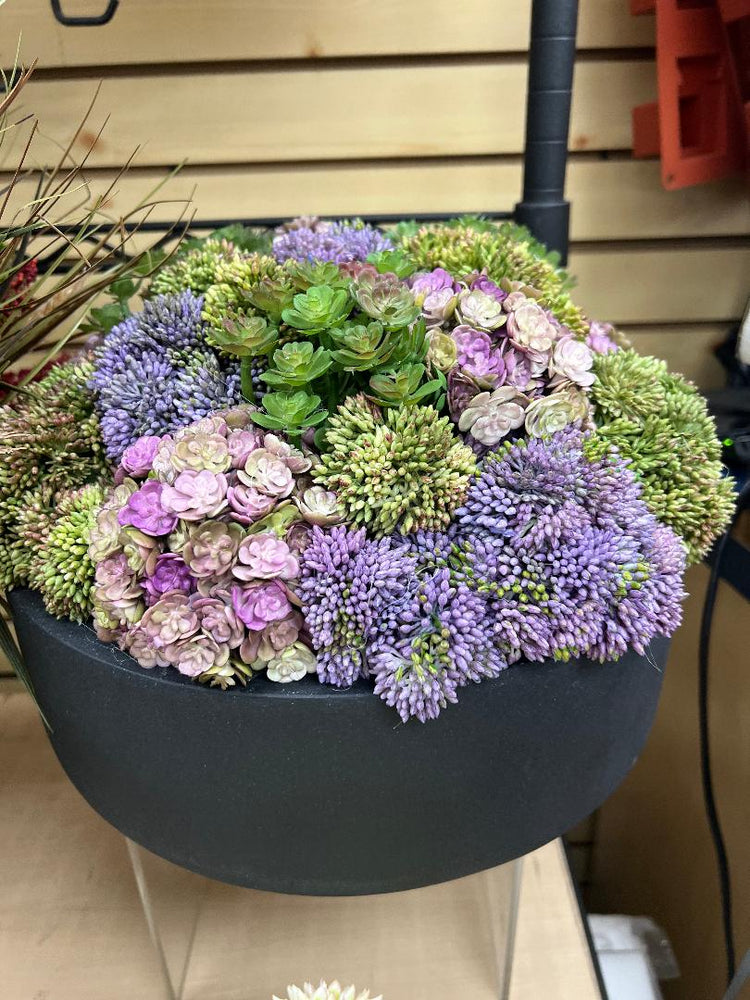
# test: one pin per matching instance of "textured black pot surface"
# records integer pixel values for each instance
(301, 788)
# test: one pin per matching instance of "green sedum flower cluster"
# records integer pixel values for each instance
(396, 469)
(659, 422)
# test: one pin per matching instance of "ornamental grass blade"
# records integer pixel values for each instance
(10, 648)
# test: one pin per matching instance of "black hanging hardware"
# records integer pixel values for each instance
(85, 21)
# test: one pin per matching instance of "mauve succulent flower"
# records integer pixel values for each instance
(439, 306)
(141, 550)
(196, 495)
(479, 309)
(572, 360)
(259, 647)
(260, 603)
(116, 590)
(169, 620)
(318, 505)
(291, 664)
(298, 537)
(548, 414)
(145, 510)
(267, 473)
(476, 354)
(104, 537)
(241, 443)
(200, 450)
(138, 457)
(211, 548)
(219, 620)
(197, 654)
(427, 282)
(138, 644)
(461, 390)
(169, 573)
(296, 461)
(485, 284)
(265, 557)
(490, 417)
(600, 338)
(442, 351)
(528, 324)
(247, 504)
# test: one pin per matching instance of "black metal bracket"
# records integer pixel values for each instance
(84, 21)
(551, 59)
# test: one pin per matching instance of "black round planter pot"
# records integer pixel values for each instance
(302, 788)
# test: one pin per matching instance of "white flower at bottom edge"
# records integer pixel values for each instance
(325, 992)
(291, 664)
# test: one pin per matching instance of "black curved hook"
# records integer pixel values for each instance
(84, 21)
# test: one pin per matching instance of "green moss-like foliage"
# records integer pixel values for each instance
(194, 269)
(395, 470)
(659, 421)
(506, 252)
(226, 298)
(50, 442)
(63, 570)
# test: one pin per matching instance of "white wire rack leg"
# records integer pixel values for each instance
(171, 992)
(504, 924)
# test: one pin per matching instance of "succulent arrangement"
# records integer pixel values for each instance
(325, 991)
(402, 457)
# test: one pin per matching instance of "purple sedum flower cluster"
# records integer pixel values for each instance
(553, 555)
(155, 373)
(197, 551)
(338, 242)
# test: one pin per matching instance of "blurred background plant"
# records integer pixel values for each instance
(68, 269)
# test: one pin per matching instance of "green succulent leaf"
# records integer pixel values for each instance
(290, 411)
(305, 274)
(393, 262)
(271, 296)
(297, 363)
(319, 308)
(246, 336)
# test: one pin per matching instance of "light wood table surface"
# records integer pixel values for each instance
(71, 927)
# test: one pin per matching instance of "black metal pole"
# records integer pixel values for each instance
(551, 58)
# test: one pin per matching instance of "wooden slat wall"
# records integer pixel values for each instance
(380, 106)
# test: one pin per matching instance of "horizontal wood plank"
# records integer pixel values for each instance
(611, 199)
(688, 350)
(662, 285)
(168, 31)
(331, 113)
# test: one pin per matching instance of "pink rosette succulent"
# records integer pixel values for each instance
(296, 461)
(601, 338)
(267, 473)
(477, 356)
(257, 604)
(490, 417)
(116, 590)
(169, 620)
(211, 548)
(428, 282)
(529, 326)
(241, 442)
(141, 550)
(318, 505)
(485, 284)
(168, 574)
(248, 504)
(219, 620)
(259, 647)
(195, 495)
(265, 557)
(162, 464)
(572, 361)
(138, 644)
(195, 655)
(291, 664)
(479, 309)
(145, 510)
(138, 457)
(199, 450)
